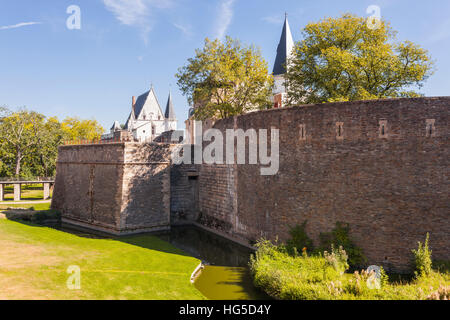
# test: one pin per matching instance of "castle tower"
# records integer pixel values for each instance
(170, 119)
(284, 52)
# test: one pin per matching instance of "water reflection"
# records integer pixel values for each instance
(208, 247)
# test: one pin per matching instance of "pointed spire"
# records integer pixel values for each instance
(116, 126)
(284, 50)
(170, 113)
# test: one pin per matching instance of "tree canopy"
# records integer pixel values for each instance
(342, 59)
(77, 129)
(29, 141)
(226, 79)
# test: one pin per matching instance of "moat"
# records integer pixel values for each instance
(225, 276)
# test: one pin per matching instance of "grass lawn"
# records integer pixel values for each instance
(28, 192)
(35, 206)
(34, 262)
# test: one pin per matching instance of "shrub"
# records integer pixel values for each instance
(299, 240)
(357, 284)
(287, 277)
(339, 237)
(337, 259)
(384, 278)
(422, 258)
(443, 293)
(317, 277)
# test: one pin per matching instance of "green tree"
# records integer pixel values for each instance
(226, 79)
(29, 141)
(18, 133)
(3, 111)
(5, 155)
(49, 138)
(77, 129)
(341, 59)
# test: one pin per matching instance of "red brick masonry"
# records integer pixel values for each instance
(382, 166)
(392, 188)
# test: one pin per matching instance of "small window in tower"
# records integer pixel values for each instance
(383, 130)
(431, 130)
(340, 130)
(302, 132)
(153, 130)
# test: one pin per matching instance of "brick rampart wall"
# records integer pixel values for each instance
(392, 189)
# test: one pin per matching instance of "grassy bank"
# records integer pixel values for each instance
(35, 206)
(34, 262)
(303, 277)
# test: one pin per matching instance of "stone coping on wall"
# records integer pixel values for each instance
(123, 143)
(350, 103)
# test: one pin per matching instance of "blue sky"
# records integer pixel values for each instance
(125, 45)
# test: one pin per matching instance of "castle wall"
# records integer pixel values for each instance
(184, 194)
(391, 189)
(381, 166)
(119, 188)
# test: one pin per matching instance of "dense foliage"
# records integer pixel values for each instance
(226, 79)
(29, 141)
(322, 277)
(339, 236)
(342, 59)
(299, 240)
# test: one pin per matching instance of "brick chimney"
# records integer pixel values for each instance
(133, 103)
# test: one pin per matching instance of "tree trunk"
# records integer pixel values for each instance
(18, 160)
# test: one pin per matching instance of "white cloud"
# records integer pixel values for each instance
(136, 13)
(183, 28)
(224, 18)
(22, 24)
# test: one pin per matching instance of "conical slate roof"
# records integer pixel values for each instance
(170, 113)
(284, 50)
(116, 126)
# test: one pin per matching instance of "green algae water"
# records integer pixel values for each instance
(226, 275)
(227, 283)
